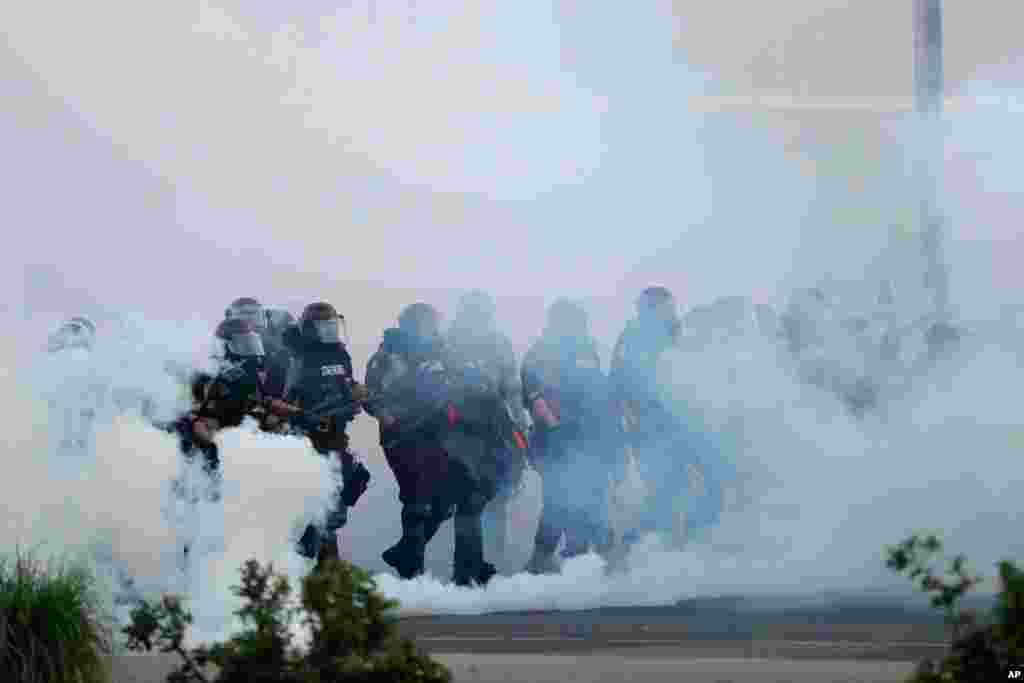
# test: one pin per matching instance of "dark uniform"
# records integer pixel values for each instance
(672, 455)
(476, 344)
(408, 378)
(223, 401)
(271, 324)
(576, 443)
(321, 371)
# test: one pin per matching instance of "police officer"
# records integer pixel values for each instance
(321, 371)
(77, 404)
(408, 378)
(476, 343)
(271, 325)
(674, 455)
(574, 437)
(238, 390)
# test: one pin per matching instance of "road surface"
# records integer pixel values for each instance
(710, 641)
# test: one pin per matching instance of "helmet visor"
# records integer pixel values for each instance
(246, 345)
(327, 331)
(251, 314)
(71, 334)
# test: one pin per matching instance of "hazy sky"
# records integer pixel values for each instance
(531, 149)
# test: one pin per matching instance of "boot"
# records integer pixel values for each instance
(575, 545)
(309, 544)
(407, 556)
(542, 561)
(470, 567)
(545, 543)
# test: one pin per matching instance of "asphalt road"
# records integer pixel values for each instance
(701, 629)
(606, 668)
(712, 641)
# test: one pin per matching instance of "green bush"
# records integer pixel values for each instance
(52, 623)
(353, 631)
(983, 648)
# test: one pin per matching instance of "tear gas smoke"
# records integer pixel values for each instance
(378, 152)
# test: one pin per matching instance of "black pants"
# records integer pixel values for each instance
(458, 493)
(190, 450)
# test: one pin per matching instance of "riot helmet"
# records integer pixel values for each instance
(566, 319)
(420, 320)
(321, 323)
(250, 309)
(241, 340)
(657, 313)
(475, 312)
(657, 303)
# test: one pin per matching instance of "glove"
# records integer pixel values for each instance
(356, 479)
(360, 392)
(302, 423)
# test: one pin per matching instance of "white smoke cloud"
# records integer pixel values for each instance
(495, 148)
(110, 501)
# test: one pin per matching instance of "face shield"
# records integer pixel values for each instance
(332, 331)
(248, 345)
(72, 334)
(251, 313)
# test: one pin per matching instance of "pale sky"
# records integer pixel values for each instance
(194, 149)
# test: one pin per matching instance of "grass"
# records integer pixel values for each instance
(52, 624)
(352, 628)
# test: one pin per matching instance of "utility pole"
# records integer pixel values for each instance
(929, 91)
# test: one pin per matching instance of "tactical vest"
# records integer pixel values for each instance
(479, 359)
(637, 358)
(320, 374)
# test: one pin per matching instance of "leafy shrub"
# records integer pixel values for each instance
(981, 649)
(52, 624)
(353, 631)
